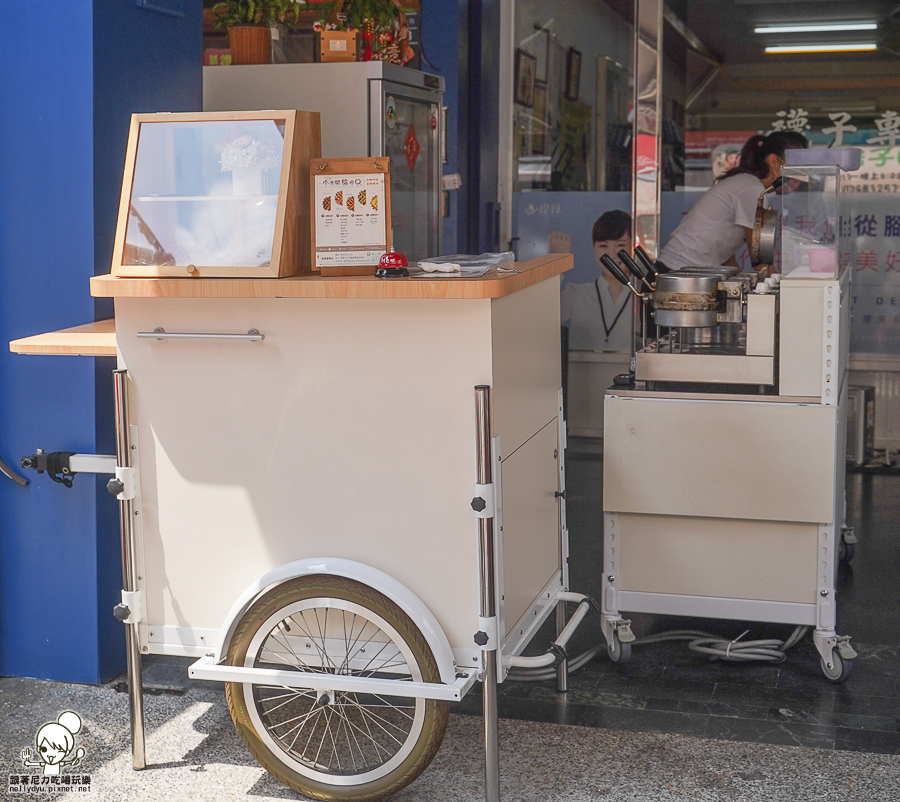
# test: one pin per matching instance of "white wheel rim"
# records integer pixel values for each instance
(374, 735)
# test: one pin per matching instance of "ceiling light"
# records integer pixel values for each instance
(837, 47)
(818, 27)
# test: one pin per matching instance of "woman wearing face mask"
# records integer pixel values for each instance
(722, 219)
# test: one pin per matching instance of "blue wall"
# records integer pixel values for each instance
(440, 36)
(65, 119)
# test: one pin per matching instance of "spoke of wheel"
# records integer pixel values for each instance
(375, 743)
(354, 644)
(290, 691)
(301, 719)
(323, 647)
(323, 669)
(329, 715)
(298, 663)
(376, 720)
(399, 708)
(377, 630)
(271, 710)
(352, 699)
(356, 740)
(343, 725)
(321, 743)
(287, 645)
(312, 714)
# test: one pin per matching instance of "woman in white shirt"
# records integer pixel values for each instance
(722, 219)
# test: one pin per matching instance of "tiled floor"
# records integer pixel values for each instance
(666, 688)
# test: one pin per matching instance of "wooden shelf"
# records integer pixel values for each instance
(493, 285)
(91, 339)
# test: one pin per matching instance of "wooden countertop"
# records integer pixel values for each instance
(92, 339)
(493, 285)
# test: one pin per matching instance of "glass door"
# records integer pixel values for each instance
(406, 125)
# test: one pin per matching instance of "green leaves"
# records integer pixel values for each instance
(257, 12)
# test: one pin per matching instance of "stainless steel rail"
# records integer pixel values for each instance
(160, 333)
(484, 468)
(129, 575)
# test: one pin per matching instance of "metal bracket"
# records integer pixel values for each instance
(132, 600)
(484, 501)
(487, 637)
(62, 466)
(831, 320)
(124, 484)
(207, 668)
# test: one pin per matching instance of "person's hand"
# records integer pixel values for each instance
(559, 242)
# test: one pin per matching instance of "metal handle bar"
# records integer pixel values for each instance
(160, 333)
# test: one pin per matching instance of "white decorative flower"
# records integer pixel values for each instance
(249, 151)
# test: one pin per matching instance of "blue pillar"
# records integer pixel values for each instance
(65, 107)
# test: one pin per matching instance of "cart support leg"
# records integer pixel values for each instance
(484, 470)
(562, 670)
(129, 575)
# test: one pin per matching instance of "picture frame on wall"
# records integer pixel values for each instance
(526, 66)
(573, 73)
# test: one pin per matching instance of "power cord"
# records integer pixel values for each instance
(769, 650)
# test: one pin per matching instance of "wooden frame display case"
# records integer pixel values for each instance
(217, 194)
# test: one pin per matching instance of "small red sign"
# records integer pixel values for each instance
(411, 148)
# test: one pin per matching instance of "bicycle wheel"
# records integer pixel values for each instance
(335, 745)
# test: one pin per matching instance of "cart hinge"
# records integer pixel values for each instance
(483, 503)
(122, 487)
(129, 611)
(487, 636)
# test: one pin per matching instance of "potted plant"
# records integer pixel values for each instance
(248, 23)
(384, 28)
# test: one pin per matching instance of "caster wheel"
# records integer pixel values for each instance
(618, 652)
(840, 669)
(335, 745)
(846, 551)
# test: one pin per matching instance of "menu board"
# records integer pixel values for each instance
(351, 213)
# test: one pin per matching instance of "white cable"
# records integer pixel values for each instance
(770, 650)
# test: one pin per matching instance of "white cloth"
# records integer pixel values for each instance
(580, 309)
(713, 230)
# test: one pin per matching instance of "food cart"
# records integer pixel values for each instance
(343, 496)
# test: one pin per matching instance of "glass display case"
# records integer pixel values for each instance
(811, 241)
(217, 194)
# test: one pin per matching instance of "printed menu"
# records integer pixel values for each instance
(350, 220)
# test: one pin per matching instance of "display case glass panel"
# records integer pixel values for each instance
(217, 194)
(205, 193)
(810, 222)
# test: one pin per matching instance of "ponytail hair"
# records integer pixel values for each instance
(758, 147)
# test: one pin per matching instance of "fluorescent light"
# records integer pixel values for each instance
(817, 27)
(837, 47)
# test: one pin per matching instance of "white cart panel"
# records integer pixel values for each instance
(348, 432)
(718, 557)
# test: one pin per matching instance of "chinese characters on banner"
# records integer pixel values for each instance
(871, 217)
